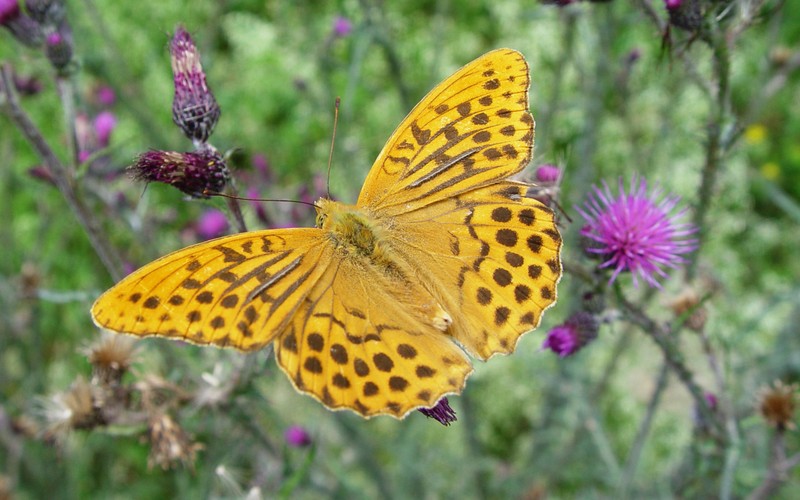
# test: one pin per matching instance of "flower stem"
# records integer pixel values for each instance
(8, 99)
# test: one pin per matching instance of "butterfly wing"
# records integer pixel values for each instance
(238, 291)
(485, 251)
(371, 342)
(473, 129)
(491, 257)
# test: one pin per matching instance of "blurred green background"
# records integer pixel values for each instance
(616, 90)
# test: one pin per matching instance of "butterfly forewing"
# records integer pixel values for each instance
(471, 130)
(238, 291)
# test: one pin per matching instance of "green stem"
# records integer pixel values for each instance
(62, 176)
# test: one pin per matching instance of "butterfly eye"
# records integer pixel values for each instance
(321, 219)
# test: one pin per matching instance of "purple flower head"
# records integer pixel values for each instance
(711, 399)
(569, 337)
(58, 49)
(672, 4)
(547, 174)
(258, 207)
(211, 224)
(262, 166)
(636, 232)
(441, 412)
(106, 96)
(342, 26)
(104, 124)
(297, 436)
(194, 173)
(22, 27)
(194, 108)
(27, 85)
(9, 10)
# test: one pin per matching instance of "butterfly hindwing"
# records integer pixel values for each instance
(238, 291)
(371, 341)
(492, 256)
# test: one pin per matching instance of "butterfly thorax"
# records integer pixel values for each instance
(351, 230)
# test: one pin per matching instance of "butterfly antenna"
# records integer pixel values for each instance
(208, 192)
(333, 143)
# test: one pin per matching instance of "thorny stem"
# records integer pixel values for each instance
(236, 210)
(467, 415)
(779, 468)
(674, 359)
(67, 97)
(721, 65)
(8, 99)
(641, 435)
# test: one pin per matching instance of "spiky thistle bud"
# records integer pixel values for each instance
(194, 108)
(194, 173)
(442, 412)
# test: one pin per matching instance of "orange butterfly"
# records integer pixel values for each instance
(374, 308)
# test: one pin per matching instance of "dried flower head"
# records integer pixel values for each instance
(169, 443)
(194, 108)
(636, 232)
(194, 173)
(73, 409)
(777, 404)
(297, 436)
(572, 335)
(111, 356)
(689, 303)
(441, 411)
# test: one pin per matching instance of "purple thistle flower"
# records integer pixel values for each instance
(211, 224)
(58, 49)
(672, 4)
(22, 27)
(9, 10)
(194, 108)
(106, 96)
(342, 26)
(104, 124)
(547, 174)
(194, 173)
(441, 411)
(297, 436)
(572, 335)
(636, 232)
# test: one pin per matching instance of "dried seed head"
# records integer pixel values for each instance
(169, 443)
(111, 356)
(689, 303)
(73, 409)
(777, 404)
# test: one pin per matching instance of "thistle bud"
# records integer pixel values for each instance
(571, 336)
(441, 412)
(194, 108)
(194, 173)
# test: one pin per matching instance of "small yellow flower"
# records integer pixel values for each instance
(755, 134)
(771, 170)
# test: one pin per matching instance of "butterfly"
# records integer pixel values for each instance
(375, 309)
